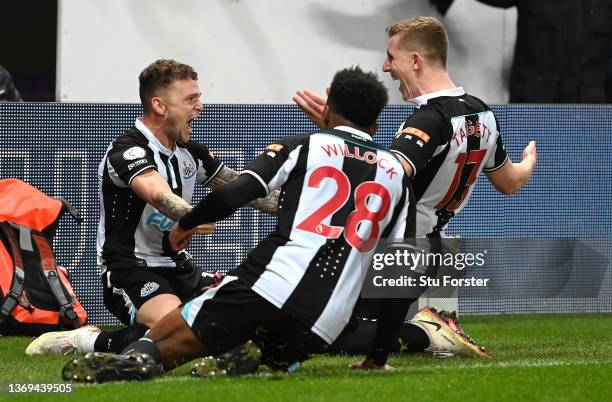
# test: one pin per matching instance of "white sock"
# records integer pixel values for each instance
(86, 341)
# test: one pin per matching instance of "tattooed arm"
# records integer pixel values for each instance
(152, 188)
(268, 204)
(171, 205)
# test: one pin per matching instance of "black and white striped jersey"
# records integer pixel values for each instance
(131, 232)
(340, 193)
(448, 141)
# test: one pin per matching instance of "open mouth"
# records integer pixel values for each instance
(190, 125)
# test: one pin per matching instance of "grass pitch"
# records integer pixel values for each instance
(536, 358)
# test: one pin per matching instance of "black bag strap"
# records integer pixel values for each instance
(13, 298)
(66, 208)
(49, 268)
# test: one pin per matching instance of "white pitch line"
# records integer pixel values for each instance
(493, 364)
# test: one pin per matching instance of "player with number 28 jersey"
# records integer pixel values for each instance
(341, 192)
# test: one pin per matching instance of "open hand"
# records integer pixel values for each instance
(312, 104)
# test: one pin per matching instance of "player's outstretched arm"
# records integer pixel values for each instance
(511, 177)
(217, 205)
(311, 104)
(152, 188)
(269, 204)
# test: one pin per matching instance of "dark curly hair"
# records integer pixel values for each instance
(357, 96)
(160, 75)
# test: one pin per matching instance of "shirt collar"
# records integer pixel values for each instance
(422, 100)
(354, 131)
(152, 138)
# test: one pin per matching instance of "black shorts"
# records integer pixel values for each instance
(126, 290)
(231, 314)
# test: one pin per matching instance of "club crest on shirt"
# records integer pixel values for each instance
(148, 288)
(188, 170)
(134, 153)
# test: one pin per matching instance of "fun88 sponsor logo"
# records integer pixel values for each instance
(160, 220)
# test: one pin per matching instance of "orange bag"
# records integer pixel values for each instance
(35, 294)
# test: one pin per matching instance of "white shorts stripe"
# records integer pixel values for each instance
(190, 310)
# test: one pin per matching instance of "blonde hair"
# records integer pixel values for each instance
(425, 35)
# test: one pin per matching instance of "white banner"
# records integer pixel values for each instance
(262, 51)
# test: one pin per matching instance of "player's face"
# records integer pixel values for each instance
(183, 105)
(399, 65)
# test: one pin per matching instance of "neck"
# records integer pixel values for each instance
(336, 121)
(432, 81)
(155, 123)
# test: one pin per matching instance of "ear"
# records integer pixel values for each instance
(326, 117)
(373, 129)
(417, 61)
(159, 107)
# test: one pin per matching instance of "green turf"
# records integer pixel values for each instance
(536, 358)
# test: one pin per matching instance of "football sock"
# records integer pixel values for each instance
(85, 342)
(144, 345)
(357, 340)
(116, 341)
(412, 339)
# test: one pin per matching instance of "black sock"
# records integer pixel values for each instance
(412, 339)
(116, 341)
(357, 339)
(144, 345)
